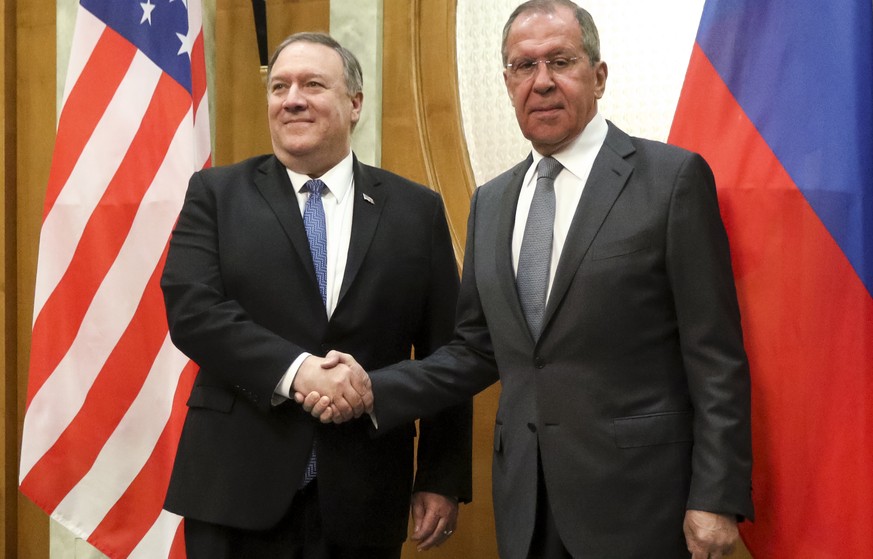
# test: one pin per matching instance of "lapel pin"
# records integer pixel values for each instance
(367, 198)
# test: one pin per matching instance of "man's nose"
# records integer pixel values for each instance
(543, 77)
(294, 98)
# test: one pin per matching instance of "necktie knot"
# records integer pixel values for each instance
(315, 223)
(315, 186)
(549, 167)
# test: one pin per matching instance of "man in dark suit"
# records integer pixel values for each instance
(623, 426)
(257, 287)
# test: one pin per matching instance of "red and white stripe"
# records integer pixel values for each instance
(107, 389)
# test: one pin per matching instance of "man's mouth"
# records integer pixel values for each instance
(546, 110)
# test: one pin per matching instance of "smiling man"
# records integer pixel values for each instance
(597, 288)
(273, 261)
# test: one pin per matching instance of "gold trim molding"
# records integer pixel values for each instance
(438, 111)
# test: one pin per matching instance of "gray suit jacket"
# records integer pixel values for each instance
(637, 391)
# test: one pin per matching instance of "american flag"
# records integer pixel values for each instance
(107, 389)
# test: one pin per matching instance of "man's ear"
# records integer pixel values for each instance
(357, 104)
(508, 89)
(601, 72)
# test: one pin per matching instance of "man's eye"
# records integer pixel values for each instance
(525, 65)
(314, 85)
(559, 63)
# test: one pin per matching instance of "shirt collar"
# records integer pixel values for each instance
(338, 178)
(578, 156)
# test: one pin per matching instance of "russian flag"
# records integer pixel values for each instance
(779, 99)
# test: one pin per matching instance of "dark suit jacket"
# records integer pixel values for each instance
(636, 392)
(242, 302)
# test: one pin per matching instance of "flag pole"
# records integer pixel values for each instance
(259, 9)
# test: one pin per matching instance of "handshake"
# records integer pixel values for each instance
(334, 388)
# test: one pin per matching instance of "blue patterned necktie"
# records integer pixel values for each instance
(535, 258)
(316, 230)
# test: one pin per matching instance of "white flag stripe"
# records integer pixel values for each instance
(202, 136)
(69, 524)
(87, 32)
(130, 445)
(159, 539)
(64, 391)
(195, 17)
(63, 226)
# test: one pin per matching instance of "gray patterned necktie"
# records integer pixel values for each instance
(535, 258)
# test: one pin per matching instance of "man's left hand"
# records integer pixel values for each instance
(435, 518)
(710, 535)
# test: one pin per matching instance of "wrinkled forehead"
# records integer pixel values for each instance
(541, 33)
(303, 58)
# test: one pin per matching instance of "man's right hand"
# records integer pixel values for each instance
(336, 386)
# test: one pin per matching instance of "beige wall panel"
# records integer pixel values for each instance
(8, 439)
(420, 105)
(357, 25)
(35, 105)
(240, 97)
(421, 139)
(401, 151)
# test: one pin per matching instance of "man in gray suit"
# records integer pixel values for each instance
(623, 426)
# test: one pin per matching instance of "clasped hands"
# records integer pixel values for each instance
(334, 388)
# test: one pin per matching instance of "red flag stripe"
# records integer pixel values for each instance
(178, 549)
(84, 107)
(97, 164)
(131, 445)
(148, 488)
(122, 376)
(198, 71)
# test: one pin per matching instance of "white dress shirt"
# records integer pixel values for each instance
(577, 159)
(338, 202)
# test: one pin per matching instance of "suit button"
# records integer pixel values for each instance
(532, 427)
(539, 363)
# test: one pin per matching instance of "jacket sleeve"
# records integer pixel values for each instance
(454, 372)
(699, 268)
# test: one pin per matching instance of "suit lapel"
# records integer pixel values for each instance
(369, 201)
(505, 226)
(608, 176)
(274, 185)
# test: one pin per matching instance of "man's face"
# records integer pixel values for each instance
(552, 109)
(309, 108)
